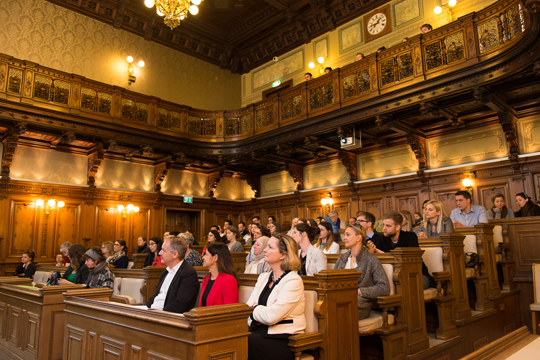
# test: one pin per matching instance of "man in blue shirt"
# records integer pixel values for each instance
(337, 224)
(467, 215)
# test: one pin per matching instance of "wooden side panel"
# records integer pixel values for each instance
(448, 199)
(111, 349)
(22, 227)
(486, 192)
(31, 337)
(409, 203)
(139, 227)
(105, 224)
(375, 207)
(67, 226)
(75, 340)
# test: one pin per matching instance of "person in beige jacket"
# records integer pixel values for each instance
(278, 302)
(313, 260)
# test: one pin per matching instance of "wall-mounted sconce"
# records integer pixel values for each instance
(131, 69)
(51, 204)
(321, 62)
(124, 210)
(448, 6)
(468, 185)
(327, 202)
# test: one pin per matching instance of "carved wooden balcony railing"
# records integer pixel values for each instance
(472, 39)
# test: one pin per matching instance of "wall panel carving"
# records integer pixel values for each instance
(325, 174)
(105, 224)
(124, 175)
(22, 227)
(530, 134)
(277, 183)
(388, 162)
(185, 183)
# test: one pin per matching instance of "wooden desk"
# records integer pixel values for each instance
(32, 320)
(15, 280)
(103, 330)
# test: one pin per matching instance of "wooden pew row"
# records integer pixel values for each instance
(32, 320)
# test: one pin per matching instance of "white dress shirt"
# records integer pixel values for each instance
(159, 301)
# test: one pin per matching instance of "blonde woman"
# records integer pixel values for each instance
(435, 221)
(326, 240)
(107, 248)
(408, 222)
(293, 226)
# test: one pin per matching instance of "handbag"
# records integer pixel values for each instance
(54, 278)
(473, 259)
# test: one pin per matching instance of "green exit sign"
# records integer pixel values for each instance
(276, 83)
(188, 199)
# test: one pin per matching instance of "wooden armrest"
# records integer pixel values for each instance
(441, 276)
(306, 341)
(122, 299)
(389, 301)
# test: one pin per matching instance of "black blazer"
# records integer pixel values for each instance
(28, 272)
(406, 239)
(377, 236)
(82, 274)
(535, 211)
(183, 291)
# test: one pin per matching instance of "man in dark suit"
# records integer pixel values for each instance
(394, 237)
(178, 284)
(367, 220)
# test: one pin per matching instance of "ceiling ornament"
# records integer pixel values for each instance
(174, 11)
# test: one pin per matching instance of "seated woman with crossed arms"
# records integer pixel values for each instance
(278, 302)
(373, 282)
(220, 286)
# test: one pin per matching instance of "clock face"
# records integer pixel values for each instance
(376, 24)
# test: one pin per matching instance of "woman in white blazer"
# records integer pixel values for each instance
(327, 240)
(312, 259)
(278, 302)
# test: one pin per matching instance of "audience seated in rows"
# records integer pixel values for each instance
(233, 235)
(367, 220)
(527, 206)
(142, 246)
(99, 275)
(220, 286)
(274, 227)
(192, 256)
(178, 285)
(394, 238)
(213, 236)
(257, 265)
(77, 271)
(499, 210)
(153, 258)
(119, 260)
(326, 240)
(373, 282)
(242, 228)
(466, 214)
(435, 221)
(59, 260)
(352, 221)
(27, 269)
(278, 302)
(257, 232)
(312, 259)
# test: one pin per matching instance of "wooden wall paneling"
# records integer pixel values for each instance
(105, 225)
(342, 206)
(139, 226)
(374, 206)
(536, 185)
(157, 222)
(88, 224)
(488, 189)
(447, 197)
(286, 215)
(313, 210)
(67, 226)
(408, 202)
(22, 228)
(4, 226)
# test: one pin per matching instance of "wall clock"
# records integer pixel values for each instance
(377, 24)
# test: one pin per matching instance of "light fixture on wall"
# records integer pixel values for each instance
(124, 210)
(49, 205)
(131, 69)
(448, 6)
(327, 202)
(174, 11)
(321, 62)
(468, 183)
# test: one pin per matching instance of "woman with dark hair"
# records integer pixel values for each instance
(313, 260)
(213, 236)
(528, 207)
(319, 219)
(327, 242)
(220, 286)
(373, 282)
(498, 208)
(301, 221)
(278, 302)
(153, 259)
(27, 268)
(142, 246)
(119, 260)
(77, 272)
(274, 228)
(313, 223)
(232, 236)
(99, 274)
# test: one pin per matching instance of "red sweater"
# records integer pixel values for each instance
(224, 291)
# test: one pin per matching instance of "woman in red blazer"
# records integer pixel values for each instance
(220, 286)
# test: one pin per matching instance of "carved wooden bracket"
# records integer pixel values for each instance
(160, 172)
(418, 146)
(297, 173)
(94, 161)
(254, 183)
(213, 181)
(66, 138)
(349, 161)
(10, 143)
(508, 123)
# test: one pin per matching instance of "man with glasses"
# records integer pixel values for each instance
(367, 220)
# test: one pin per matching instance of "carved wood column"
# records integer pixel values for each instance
(297, 173)
(160, 173)
(349, 161)
(454, 262)
(10, 143)
(337, 309)
(409, 283)
(94, 161)
(486, 253)
(213, 181)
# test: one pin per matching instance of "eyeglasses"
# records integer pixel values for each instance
(360, 221)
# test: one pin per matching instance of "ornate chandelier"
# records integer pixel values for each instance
(174, 11)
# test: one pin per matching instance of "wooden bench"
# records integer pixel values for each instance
(32, 320)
